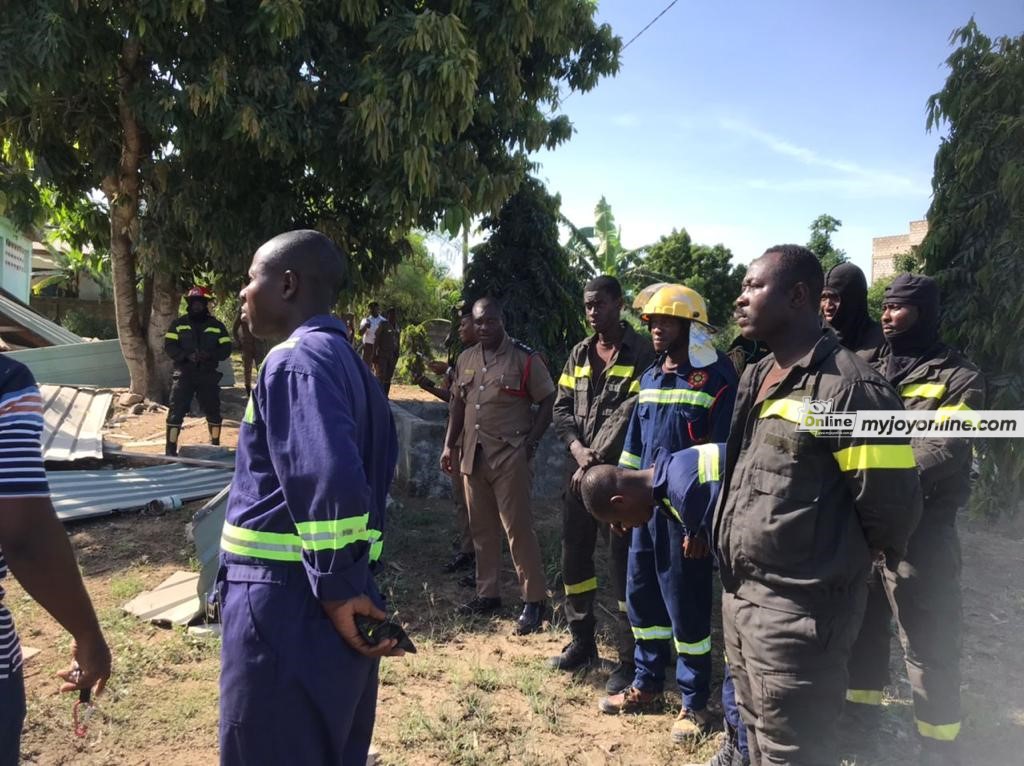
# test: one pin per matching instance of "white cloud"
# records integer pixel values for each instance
(853, 179)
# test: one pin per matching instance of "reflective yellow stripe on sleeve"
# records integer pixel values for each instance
(571, 589)
(875, 456)
(224, 339)
(923, 390)
(212, 329)
(672, 509)
(707, 463)
(567, 380)
(334, 534)
(582, 372)
(171, 335)
(621, 371)
(275, 546)
(942, 732)
(629, 460)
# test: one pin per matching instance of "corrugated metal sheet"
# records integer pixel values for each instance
(83, 494)
(172, 602)
(205, 532)
(98, 363)
(20, 314)
(74, 420)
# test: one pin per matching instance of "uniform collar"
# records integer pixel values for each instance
(629, 336)
(320, 322)
(825, 346)
(503, 347)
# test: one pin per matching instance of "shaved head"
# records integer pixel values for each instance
(321, 266)
(599, 484)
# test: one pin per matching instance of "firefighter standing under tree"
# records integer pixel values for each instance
(800, 513)
(197, 343)
(596, 394)
(923, 587)
(685, 398)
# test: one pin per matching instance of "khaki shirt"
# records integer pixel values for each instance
(497, 399)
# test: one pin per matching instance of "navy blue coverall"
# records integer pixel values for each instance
(668, 597)
(687, 485)
(317, 451)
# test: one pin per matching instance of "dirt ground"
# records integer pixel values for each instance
(474, 693)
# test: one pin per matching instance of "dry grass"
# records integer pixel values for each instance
(474, 693)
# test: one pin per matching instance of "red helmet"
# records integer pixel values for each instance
(199, 292)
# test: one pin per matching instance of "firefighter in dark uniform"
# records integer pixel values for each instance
(923, 587)
(844, 305)
(800, 515)
(596, 394)
(197, 343)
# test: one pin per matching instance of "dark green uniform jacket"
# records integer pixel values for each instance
(800, 511)
(597, 411)
(943, 381)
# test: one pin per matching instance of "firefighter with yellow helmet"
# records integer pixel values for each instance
(686, 398)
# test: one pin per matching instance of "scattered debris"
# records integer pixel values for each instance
(98, 364)
(128, 399)
(205, 531)
(26, 328)
(172, 602)
(211, 630)
(29, 652)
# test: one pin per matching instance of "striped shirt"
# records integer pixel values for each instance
(21, 472)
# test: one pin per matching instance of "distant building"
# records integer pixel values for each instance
(885, 249)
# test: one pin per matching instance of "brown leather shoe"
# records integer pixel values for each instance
(692, 724)
(632, 700)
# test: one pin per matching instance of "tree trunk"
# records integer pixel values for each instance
(122, 193)
(165, 301)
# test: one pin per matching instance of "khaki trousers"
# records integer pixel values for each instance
(465, 537)
(501, 498)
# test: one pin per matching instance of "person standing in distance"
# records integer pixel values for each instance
(801, 513)
(368, 332)
(317, 451)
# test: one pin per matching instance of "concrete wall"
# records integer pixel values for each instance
(421, 427)
(885, 249)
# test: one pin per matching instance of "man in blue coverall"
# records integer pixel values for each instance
(686, 397)
(316, 454)
(683, 487)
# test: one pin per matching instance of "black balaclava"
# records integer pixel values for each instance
(198, 309)
(851, 319)
(909, 346)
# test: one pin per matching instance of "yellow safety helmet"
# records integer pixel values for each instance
(676, 301)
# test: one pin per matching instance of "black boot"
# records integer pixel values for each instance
(578, 654)
(621, 678)
(214, 433)
(729, 753)
(531, 620)
(171, 448)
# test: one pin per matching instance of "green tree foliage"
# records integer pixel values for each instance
(975, 241)
(210, 126)
(416, 350)
(524, 266)
(822, 228)
(708, 269)
(419, 287)
(598, 249)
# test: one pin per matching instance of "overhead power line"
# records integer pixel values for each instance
(650, 24)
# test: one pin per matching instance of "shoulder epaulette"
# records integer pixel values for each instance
(522, 346)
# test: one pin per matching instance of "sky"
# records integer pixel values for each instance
(743, 121)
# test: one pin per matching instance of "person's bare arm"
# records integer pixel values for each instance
(456, 420)
(541, 421)
(39, 555)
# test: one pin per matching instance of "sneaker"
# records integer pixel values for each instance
(575, 655)
(621, 678)
(458, 562)
(480, 605)
(692, 724)
(531, 620)
(632, 700)
(467, 581)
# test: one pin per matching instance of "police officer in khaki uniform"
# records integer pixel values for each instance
(492, 437)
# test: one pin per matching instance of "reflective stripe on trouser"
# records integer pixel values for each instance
(869, 658)
(291, 690)
(500, 499)
(579, 540)
(204, 386)
(790, 676)
(924, 591)
(669, 596)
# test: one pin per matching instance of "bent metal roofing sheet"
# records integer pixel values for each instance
(36, 324)
(73, 422)
(84, 494)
